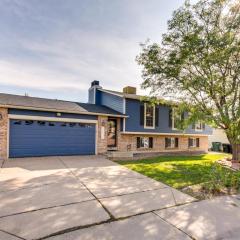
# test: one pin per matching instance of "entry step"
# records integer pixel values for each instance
(118, 155)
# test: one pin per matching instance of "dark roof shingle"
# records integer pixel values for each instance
(25, 102)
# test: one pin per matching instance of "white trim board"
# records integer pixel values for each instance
(109, 92)
(165, 134)
(52, 119)
(124, 112)
(8, 137)
(124, 105)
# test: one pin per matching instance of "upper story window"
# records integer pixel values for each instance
(199, 126)
(174, 118)
(149, 116)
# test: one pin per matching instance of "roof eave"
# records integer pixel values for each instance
(60, 110)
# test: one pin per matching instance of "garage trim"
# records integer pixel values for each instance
(53, 119)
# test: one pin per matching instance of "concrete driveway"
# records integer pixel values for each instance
(42, 197)
(90, 197)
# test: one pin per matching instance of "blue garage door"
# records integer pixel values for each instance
(42, 138)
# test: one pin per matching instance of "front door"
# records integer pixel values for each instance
(112, 133)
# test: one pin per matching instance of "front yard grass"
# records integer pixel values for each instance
(198, 175)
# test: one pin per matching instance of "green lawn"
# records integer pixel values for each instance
(183, 171)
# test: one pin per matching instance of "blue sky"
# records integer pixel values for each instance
(55, 48)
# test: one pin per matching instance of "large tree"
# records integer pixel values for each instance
(198, 64)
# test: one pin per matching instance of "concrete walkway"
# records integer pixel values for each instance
(89, 197)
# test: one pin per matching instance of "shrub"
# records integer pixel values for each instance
(221, 178)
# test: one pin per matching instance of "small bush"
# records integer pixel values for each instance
(221, 178)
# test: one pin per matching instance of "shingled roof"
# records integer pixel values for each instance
(44, 104)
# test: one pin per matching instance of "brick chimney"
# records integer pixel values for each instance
(129, 90)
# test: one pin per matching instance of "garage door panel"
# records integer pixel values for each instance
(50, 138)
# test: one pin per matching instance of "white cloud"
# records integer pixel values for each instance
(30, 76)
(74, 62)
(51, 47)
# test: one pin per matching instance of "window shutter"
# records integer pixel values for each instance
(170, 118)
(176, 142)
(141, 115)
(166, 143)
(203, 126)
(193, 126)
(198, 142)
(156, 116)
(150, 142)
(138, 142)
(189, 142)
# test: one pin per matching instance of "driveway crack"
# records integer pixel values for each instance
(173, 226)
(109, 213)
(12, 234)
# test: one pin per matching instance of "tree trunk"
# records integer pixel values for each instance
(235, 152)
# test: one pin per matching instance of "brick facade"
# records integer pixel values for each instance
(128, 142)
(3, 133)
(102, 135)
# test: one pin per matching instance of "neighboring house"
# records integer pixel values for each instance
(218, 135)
(111, 120)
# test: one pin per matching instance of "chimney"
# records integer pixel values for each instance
(92, 92)
(94, 83)
(129, 90)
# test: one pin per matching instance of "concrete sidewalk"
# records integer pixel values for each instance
(218, 218)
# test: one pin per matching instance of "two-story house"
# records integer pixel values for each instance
(116, 121)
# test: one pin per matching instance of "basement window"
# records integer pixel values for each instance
(193, 142)
(144, 142)
(171, 142)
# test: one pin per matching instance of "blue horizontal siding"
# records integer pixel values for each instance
(51, 114)
(133, 121)
(109, 100)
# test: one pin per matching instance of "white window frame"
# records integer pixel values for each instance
(145, 139)
(173, 118)
(194, 142)
(200, 124)
(172, 143)
(145, 111)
